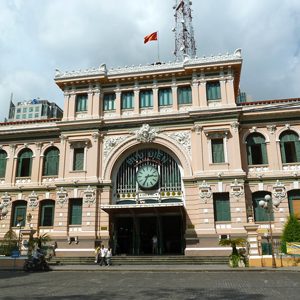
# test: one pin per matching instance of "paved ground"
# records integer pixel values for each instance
(123, 285)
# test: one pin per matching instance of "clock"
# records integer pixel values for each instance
(147, 176)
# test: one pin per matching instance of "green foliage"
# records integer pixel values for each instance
(9, 243)
(291, 232)
(233, 243)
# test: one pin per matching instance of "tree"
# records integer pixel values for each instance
(9, 243)
(235, 258)
(291, 232)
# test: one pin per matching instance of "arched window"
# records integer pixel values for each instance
(24, 163)
(289, 147)
(51, 162)
(19, 213)
(3, 158)
(47, 212)
(260, 214)
(256, 149)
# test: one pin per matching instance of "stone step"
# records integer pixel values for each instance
(145, 260)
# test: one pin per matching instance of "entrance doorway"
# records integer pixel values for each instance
(135, 235)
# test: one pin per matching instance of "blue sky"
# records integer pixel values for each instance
(36, 37)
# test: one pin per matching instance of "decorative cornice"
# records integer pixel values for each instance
(103, 71)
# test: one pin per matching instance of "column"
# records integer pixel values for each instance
(72, 106)
(155, 99)
(66, 105)
(118, 102)
(96, 103)
(174, 97)
(202, 93)
(223, 92)
(136, 101)
(252, 238)
(195, 91)
(230, 91)
(90, 104)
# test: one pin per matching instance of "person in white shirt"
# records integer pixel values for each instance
(103, 252)
(108, 256)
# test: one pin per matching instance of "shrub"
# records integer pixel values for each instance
(291, 232)
(9, 243)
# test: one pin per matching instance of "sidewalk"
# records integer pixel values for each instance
(168, 268)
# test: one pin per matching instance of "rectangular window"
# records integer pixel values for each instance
(217, 148)
(75, 211)
(24, 109)
(184, 95)
(146, 98)
(221, 207)
(78, 161)
(36, 115)
(213, 90)
(18, 116)
(23, 116)
(165, 97)
(37, 108)
(18, 110)
(127, 100)
(30, 109)
(109, 101)
(81, 102)
(29, 116)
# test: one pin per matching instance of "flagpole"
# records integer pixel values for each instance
(158, 47)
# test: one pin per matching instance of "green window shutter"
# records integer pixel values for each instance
(184, 95)
(109, 101)
(264, 153)
(78, 162)
(75, 212)
(127, 100)
(47, 213)
(165, 97)
(249, 154)
(260, 214)
(282, 151)
(20, 208)
(146, 98)
(81, 102)
(222, 207)
(24, 163)
(213, 90)
(3, 159)
(297, 148)
(51, 162)
(217, 150)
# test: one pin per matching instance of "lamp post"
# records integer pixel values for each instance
(19, 225)
(269, 206)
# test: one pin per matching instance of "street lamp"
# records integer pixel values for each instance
(269, 206)
(19, 225)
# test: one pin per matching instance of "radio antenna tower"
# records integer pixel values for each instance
(184, 32)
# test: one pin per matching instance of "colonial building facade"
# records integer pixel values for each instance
(159, 150)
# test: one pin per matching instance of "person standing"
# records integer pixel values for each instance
(103, 252)
(154, 245)
(108, 256)
(97, 251)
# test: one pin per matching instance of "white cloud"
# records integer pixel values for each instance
(38, 36)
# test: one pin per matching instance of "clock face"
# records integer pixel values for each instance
(147, 176)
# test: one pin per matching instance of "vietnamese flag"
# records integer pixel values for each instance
(150, 37)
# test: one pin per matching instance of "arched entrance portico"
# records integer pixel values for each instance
(147, 203)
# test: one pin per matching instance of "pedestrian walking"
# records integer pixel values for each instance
(154, 245)
(108, 256)
(97, 251)
(103, 252)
